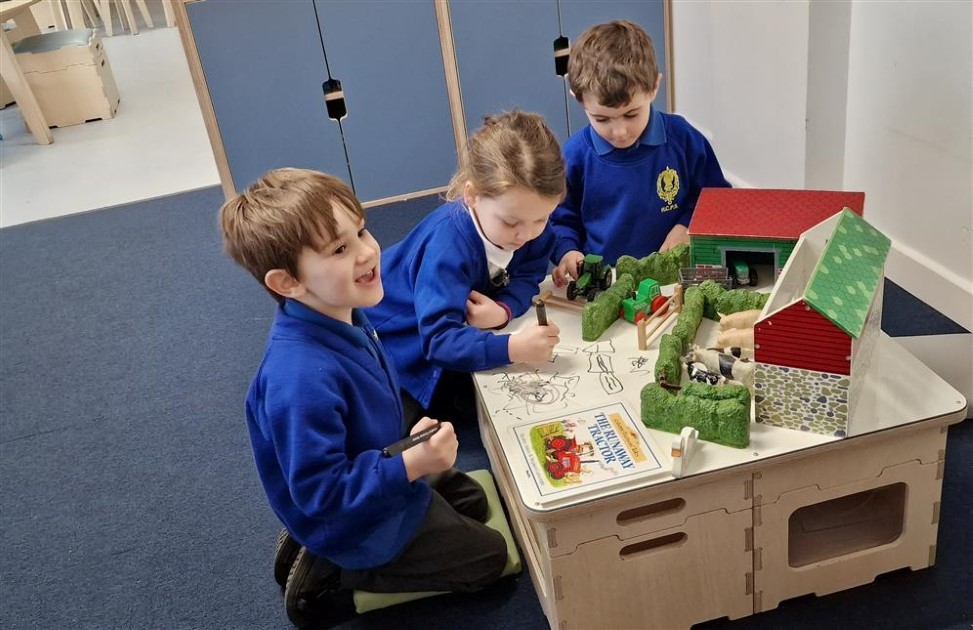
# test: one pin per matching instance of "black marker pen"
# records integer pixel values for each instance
(541, 311)
(412, 440)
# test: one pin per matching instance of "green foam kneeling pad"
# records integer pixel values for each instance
(366, 601)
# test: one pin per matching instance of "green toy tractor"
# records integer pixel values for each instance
(639, 306)
(594, 276)
(742, 274)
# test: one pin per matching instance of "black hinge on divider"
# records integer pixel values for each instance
(334, 99)
(562, 50)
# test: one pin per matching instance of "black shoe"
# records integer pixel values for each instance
(313, 596)
(284, 555)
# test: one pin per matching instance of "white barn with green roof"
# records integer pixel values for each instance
(814, 339)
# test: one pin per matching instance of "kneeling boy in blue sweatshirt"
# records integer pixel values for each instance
(325, 402)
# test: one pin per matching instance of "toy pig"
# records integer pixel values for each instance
(742, 319)
(742, 337)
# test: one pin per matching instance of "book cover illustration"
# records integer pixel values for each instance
(586, 449)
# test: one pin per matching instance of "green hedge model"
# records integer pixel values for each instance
(603, 312)
(721, 414)
(664, 267)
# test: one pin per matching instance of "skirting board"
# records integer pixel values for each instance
(949, 356)
(943, 289)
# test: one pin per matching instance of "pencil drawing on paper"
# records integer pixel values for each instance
(533, 393)
(601, 347)
(640, 365)
(600, 363)
(564, 351)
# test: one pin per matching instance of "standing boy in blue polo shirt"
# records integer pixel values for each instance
(634, 173)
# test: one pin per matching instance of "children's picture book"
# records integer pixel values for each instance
(582, 452)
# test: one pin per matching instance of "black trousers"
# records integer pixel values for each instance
(452, 550)
(454, 401)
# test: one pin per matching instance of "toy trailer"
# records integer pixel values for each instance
(594, 276)
(689, 276)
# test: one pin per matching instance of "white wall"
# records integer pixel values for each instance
(866, 95)
(909, 142)
(741, 77)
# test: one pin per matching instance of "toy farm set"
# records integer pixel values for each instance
(798, 353)
(765, 500)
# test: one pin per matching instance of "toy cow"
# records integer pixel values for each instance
(738, 352)
(727, 365)
(697, 372)
(735, 337)
(742, 319)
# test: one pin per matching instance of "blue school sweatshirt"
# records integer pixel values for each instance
(625, 201)
(323, 404)
(427, 278)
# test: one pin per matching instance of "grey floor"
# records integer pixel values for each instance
(155, 145)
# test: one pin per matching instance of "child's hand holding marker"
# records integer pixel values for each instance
(535, 344)
(430, 448)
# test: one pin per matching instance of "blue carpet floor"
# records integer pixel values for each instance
(128, 496)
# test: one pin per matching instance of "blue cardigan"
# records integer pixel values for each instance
(625, 201)
(428, 277)
(323, 404)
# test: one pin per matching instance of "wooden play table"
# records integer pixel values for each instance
(743, 529)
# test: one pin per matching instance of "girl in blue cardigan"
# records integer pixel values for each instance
(472, 265)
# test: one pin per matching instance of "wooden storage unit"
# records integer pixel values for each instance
(70, 76)
(699, 548)
(839, 520)
(666, 556)
(671, 578)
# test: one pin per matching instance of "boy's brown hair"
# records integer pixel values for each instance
(612, 61)
(514, 148)
(268, 225)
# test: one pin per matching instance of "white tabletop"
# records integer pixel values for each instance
(898, 390)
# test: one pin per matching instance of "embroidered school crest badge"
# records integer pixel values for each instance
(667, 185)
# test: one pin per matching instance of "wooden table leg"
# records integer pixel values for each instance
(169, 12)
(26, 24)
(76, 14)
(22, 93)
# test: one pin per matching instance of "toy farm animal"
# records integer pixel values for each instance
(741, 319)
(735, 337)
(740, 370)
(697, 372)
